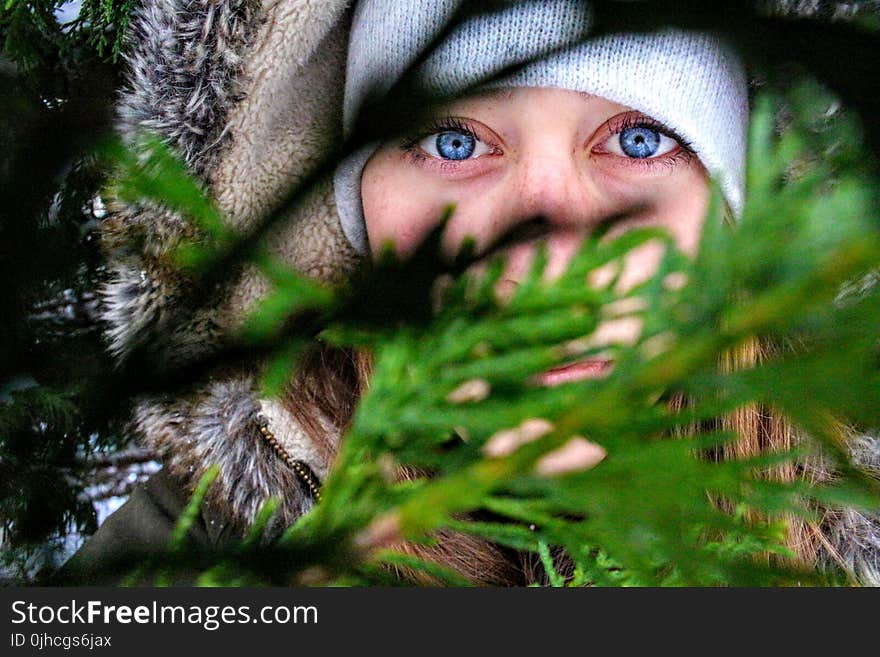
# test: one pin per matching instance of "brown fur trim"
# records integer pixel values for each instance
(184, 72)
(219, 424)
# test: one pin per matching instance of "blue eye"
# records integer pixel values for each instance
(640, 142)
(455, 145)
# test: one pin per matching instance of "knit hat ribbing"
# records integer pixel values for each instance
(690, 81)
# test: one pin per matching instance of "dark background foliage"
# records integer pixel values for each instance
(57, 85)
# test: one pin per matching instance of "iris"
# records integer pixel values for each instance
(639, 142)
(455, 145)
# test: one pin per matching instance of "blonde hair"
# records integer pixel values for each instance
(762, 430)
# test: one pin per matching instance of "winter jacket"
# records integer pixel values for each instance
(250, 94)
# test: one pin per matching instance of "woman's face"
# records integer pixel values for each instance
(556, 161)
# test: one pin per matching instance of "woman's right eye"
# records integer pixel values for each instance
(453, 145)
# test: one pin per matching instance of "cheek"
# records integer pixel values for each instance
(676, 201)
(398, 207)
(683, 213)
(402, 204)
(677, 204)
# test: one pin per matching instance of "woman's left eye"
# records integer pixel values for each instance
(453, 145)
(640, 142)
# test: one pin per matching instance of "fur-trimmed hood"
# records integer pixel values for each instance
(249, 93)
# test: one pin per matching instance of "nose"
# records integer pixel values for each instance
(544, 195)
(552, 189)
(550, 195)
(549, 187)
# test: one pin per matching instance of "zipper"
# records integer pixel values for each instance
(301, 468)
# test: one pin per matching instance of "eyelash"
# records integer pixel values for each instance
(445, 124)
(410, 143)
(619, 123)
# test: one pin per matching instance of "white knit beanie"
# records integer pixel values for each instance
(689, 81)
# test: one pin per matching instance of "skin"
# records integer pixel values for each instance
(568, 171)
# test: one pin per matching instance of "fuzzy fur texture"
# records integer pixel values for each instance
(220, 424)
(146, 301)
(184, 70)
(851, 537)
(250, 95)
(218, 81)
